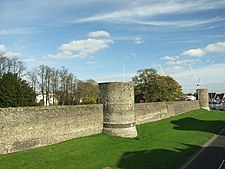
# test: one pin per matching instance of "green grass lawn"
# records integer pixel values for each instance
(164, 144)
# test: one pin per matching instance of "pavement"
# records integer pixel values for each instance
(211, 156)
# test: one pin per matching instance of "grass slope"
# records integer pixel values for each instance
(159, 145)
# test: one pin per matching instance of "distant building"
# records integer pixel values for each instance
(190, 98)
(49, 102)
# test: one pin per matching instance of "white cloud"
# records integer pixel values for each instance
(16, 31)
(13, 54)
(183, 62)
(211, 74)
(177, 68)
(92, 62)
(135, 11)
(138, 11)
(2, 48)
(139, 40)
(63, 54)
(97, 34)
(29, 60)
(86, 47)
(170, 58)
(194, 52)
(211, 77)
(83, 48)
(216, 47)
(134, 3)
(144, 13)
(179, 23)
(173, 69)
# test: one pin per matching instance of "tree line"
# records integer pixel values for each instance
(62, 85)
(64, 88)
(11, 65)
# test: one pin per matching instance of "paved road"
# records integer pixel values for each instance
(212, 156)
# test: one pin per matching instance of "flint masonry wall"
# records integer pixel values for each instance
(148, 112)
(29, 127)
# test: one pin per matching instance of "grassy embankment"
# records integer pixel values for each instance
(159, 145)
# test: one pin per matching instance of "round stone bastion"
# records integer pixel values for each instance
(203, 98)
(118, 109)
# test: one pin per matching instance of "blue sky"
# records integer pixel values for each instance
(95, 38)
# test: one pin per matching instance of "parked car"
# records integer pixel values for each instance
(216, 106)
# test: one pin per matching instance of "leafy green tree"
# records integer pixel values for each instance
(87, 92)
(152, 87)
(15, 92)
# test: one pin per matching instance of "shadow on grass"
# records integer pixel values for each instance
(156, 158)
(193, 124)
(174, 158)
(168, 159)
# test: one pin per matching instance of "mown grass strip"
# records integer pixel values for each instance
(164, 144)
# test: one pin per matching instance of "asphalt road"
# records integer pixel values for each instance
(212, 156)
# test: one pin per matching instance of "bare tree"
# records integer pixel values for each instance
(12, 64)
(71, 83)
(47, 79)
(41, 81)
(32, 76)
(2, 63)
(19, 68)
(16, 66)
(74, 86)
(63, 79)
(55, 83)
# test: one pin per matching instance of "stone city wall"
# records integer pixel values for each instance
(28, 127)
(154, 111)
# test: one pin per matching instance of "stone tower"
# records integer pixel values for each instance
(203, 98)
(118, 109)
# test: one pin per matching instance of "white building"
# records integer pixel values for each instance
(39, 97)
(190, 98)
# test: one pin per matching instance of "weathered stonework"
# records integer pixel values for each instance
(118, 109)
(154, 111)
(203, 98)
(29, 127)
